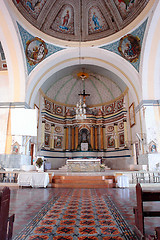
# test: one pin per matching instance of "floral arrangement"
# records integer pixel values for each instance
(102, 167)
(39, 162)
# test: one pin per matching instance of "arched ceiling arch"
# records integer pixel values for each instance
(150, 65)
(14, 58)
(106, 69)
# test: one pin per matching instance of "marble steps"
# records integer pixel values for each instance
(83, 181)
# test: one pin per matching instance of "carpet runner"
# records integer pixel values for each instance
(78, 214)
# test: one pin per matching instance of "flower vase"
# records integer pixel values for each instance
(40, 169)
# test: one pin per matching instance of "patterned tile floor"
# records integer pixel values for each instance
(27, 202)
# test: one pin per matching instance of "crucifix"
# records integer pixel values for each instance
(84, 95)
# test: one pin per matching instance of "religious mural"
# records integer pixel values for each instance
(121, 140)
(126, 6)
(64, 22)
(27, 39)
(58, 142)
(110, 142)
(46, 139)
(152, 147)
(15, 148)
(36, 50)
(132, 115)
(101, 20)
(130, 48)
(34, 7)
(96, 21)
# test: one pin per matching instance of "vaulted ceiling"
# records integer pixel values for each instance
(80, 20)
(102, 85)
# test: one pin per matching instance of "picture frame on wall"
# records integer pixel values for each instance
(132, 115)
(58, 142)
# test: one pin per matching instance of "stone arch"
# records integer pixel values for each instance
(150, 64)
(14, 56)
(93, 56)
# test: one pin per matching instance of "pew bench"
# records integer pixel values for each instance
(142, 211)
(6, 221)
(156, 236)
(157, 230)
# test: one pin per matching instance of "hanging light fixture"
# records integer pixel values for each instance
(81, 105)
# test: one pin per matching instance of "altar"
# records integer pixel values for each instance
(33, 179)
(83, 165)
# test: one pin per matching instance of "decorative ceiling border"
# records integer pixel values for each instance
(90, 106)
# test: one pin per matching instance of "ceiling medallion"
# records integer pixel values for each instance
(36, 50)
(82, 75)
(130, 48)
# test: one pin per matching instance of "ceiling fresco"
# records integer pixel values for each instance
(80, 20)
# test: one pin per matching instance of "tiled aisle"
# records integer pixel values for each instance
(26, 202)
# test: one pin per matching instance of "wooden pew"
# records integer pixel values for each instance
(157, 229)
(140, 211)
(6, 222)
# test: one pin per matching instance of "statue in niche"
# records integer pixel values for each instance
(152, 147)
(84, 135)
(15, 148)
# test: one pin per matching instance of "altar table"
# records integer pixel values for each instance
(83, 165)
(122, 181)
(33, 179)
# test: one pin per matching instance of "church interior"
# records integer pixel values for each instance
(80, 117)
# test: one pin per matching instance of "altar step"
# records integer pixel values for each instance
(83, 182)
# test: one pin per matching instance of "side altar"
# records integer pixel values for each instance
(83, 165)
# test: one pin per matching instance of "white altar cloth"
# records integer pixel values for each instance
(33, 179)
(122, 181)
